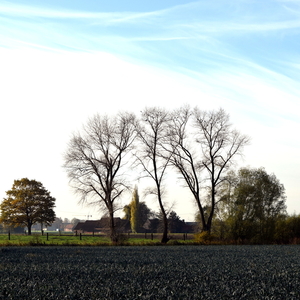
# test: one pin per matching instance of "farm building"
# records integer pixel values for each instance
(101, 225)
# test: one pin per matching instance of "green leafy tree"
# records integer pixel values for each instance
(26, 204)
(257, 201)
(288, 229)
(127, 211)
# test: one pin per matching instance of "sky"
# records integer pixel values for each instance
(63, 61)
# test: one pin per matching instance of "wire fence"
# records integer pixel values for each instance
(80, 235)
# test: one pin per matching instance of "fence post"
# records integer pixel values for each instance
(9, 235)
(145, 235)
(80, 235)
(47, 236)
(152, 236)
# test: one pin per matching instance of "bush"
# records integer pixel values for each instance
(205, 238)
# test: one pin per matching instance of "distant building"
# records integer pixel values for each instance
(155, 225)
(192, 227)
(68, 227)
(102, 226)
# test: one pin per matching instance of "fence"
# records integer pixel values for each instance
(150, 236)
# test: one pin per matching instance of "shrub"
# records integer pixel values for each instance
(205, 238)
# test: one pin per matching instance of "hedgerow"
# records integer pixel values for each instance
(156, 272)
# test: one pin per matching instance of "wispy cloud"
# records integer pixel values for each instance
(232, 27)
(104, 18)
(190, 36)
(176, 23)
(180, 16)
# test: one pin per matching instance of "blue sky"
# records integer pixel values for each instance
(63, 61)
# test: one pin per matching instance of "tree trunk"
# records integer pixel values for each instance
(165, 238)
(213, 201)
(29, 229)
(113, 233)
(208, 224)
(202, 215)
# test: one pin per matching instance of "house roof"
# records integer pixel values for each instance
(191, 223)
(102, 225)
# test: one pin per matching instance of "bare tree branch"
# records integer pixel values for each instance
(219, 144)
(151, 156)
(95, 159)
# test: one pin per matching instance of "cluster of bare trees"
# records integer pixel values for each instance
(199, 145)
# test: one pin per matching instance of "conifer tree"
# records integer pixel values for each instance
(134, 211)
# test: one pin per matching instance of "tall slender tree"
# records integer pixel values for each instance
(151, 156)
(134, 211)
(144, 213)
(219, 144)
(185, 158)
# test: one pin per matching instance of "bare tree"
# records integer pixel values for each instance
(95, 159)
(185, 159)
(152, 135)
(219, 144)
